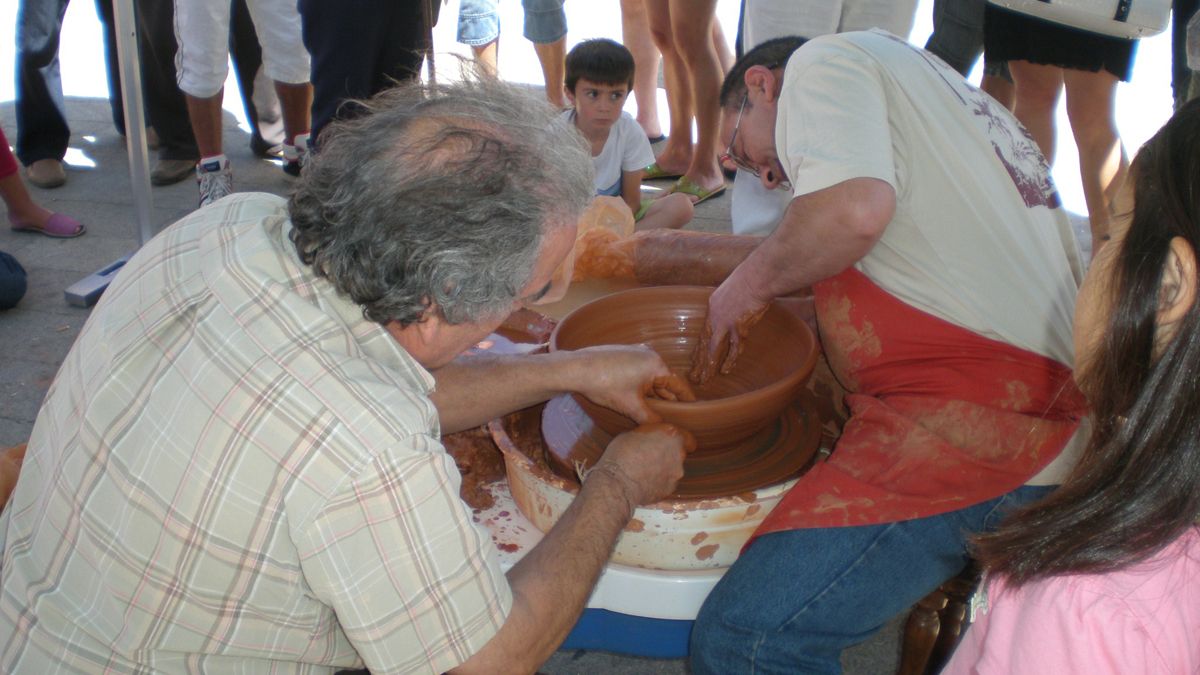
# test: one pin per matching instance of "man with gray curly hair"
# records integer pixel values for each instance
(239, 467)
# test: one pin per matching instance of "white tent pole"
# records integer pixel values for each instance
(135, 122)
(86, 291)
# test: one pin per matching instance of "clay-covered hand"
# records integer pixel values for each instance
(648, 461)
(732, 311)
(622, 376)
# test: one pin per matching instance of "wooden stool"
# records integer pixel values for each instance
(935, 624)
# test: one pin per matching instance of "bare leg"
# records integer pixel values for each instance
(295, 100)
(21, 206)
(671, 211)
(676, 155)
(1103, 165)
(724, 53)
(635, 33)
(691, 29)
(1000, 89)
(551, 55)
(1037, 89)
(487, 57)
(205, 114)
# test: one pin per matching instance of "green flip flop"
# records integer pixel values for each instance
(656, 172)
(687, 187)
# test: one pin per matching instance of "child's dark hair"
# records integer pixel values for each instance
(602, 61)
(1137, 486)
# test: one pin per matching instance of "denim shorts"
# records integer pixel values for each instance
(479, 22)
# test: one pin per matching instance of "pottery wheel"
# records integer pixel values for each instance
(779, 452)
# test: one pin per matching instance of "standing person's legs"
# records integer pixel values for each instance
(957, 36)
(479, 29)
(691, 31)
(795, 600)
(202, 35)
(1036, 89)
(399, 41)
(259, 101)
(42, 132)
(957, 39)
(894, 16)
(1181, 75)
(1103, 165)
(24, 214)
(721, 45)
(769, 19)
(998, 83)
(112, 68)
(166, 108)
(635, 34)
(676, 155)
(546, 28)
(285, 61)
(358, 47)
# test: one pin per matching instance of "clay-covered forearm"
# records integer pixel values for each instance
(820, 235)
(682, 257)
(552, 583)
(662, 257)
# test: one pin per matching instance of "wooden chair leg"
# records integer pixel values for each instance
(921, 633)
(935, 625)
(954, 617)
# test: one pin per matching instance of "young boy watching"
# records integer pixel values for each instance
(599, 77)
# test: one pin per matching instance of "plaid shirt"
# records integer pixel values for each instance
(235, 472)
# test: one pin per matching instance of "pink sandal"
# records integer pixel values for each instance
(58, 226)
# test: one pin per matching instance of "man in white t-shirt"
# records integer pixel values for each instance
(944, 275)
(755, 209)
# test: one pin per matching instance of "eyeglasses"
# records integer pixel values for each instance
(739, 162)
(728, 155)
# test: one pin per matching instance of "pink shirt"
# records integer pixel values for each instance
(1142, 619)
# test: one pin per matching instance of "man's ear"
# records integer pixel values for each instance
(421, 337)
(428, 329)
(570, 94)
(1177, 292)
(760, 84)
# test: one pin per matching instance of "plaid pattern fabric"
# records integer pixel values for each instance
(235, 472)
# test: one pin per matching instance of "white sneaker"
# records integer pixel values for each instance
(215, 179)
(295, 156)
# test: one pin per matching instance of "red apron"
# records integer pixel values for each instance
(941, 418)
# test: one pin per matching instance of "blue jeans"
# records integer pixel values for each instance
(957, 36)
(12, 281)
(42, 131)
(479, 23)
(796, 599)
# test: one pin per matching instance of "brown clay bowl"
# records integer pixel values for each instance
(779, 356)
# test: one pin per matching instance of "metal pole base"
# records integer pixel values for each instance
(86, 291)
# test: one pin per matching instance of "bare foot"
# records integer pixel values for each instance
(675, 157)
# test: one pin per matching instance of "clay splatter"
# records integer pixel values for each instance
(706, 552)
(700, 536)
(635, 525)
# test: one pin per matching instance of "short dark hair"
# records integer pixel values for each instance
(602, 61)
(772, 54)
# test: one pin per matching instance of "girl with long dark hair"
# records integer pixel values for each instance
(1103, 576)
